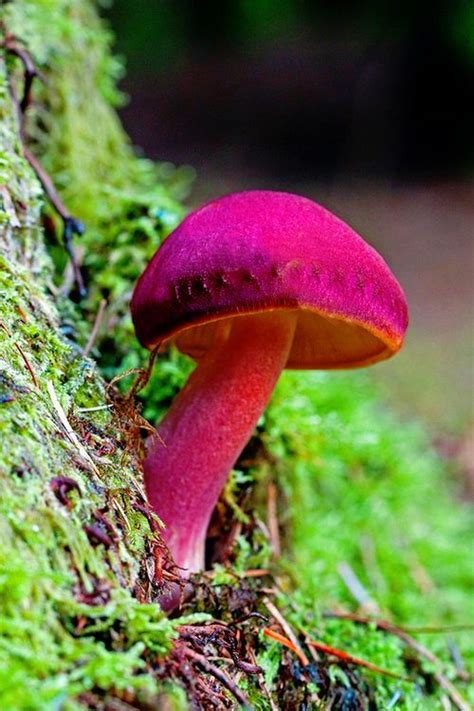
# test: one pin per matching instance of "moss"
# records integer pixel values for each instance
(365, 490)
(77, 619)
(49, 562)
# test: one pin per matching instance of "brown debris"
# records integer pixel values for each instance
(99, 595)
(194, 653)
(61, 487)
(97, 536)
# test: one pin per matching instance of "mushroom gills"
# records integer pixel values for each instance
(320, 341)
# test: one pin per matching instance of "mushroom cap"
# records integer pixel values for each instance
(260, 251)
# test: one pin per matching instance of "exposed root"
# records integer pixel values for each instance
(71, 225)
(192, 654)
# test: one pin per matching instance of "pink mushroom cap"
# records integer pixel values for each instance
(260, 251)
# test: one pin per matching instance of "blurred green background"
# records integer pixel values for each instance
(365, 107)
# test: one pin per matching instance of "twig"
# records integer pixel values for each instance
(218, 699)
(420, 575)
(144, 374)
(446, 703)
(369, 559)
(312, 650)
(355, 587)
(29, 69)
(286, 627)
(261, 683)
(338, 653)
(248, 616)
(452, 692)
(71, 225)
(350, 659)
(95, 328)
(272, 519)
(394, 700)
(443, 681)
(71, 435)
(218, 632)
(254, 573)
(220, 675)
(125, 374)
(281, 639)
(94, 409)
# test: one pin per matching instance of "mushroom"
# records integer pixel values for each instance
(247, 285)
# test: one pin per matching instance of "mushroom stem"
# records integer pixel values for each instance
(208, 425)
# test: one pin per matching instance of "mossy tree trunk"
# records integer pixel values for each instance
(77, 540)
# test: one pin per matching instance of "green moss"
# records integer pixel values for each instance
(363, 489)
(48, 563)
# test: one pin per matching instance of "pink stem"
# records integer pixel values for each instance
(208, 426)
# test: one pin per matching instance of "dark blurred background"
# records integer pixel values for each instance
(366, 107)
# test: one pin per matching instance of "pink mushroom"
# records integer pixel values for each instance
(247, 285)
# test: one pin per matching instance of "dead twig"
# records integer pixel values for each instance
(95, 329)
(254, 573)
(142, 373)
(458, 661)
(444, 629)
(350, 659)
(281, 639)
(338, 653)
(452, 692)
(248, 616)
(286, 628)
(71, 435)
(71, 225)
(223, 636)
(262, 685)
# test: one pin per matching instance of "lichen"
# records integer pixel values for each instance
(78, 621)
